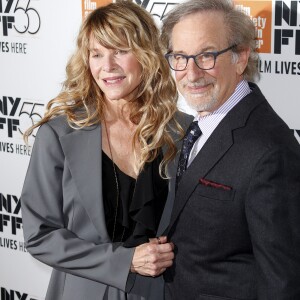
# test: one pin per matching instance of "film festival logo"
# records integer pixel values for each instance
(260, 13)
(288, 15)
(18, 16)
(11, 223)
(89, 5)
(158, 9)
(15, 117)
(10, 211)
(280, 19)
(285, 25)
(7, 294)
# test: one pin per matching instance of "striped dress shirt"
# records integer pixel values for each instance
(209, 122)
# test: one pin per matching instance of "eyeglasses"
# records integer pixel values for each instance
(203, 60)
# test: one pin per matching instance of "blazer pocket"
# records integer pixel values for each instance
(214, 193)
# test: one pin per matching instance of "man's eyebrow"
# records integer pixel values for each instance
(206, 49)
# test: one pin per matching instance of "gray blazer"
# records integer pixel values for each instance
(64, 224)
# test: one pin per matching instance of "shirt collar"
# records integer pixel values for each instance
(241, 91)
(209, 122)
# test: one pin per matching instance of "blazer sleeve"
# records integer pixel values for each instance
(273, 215)
(46, 235)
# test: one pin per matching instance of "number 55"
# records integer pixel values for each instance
(27, 18)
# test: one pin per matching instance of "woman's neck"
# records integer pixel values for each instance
(117, 110)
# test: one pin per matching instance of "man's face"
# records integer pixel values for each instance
(205, 90)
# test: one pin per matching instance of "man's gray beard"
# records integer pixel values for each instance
(210, 106)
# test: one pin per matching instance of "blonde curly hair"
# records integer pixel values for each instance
(122, 25)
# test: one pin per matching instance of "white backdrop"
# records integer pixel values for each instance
(36, 39)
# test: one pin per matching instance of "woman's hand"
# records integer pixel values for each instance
(152, 259)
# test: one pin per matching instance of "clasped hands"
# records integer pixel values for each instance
(152, 259)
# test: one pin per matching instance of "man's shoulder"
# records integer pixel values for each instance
(264, 126)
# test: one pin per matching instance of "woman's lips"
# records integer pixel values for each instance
(113, 80)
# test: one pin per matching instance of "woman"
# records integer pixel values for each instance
(94, 191)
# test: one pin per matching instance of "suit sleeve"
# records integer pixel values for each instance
(45, 232)
(273, 214)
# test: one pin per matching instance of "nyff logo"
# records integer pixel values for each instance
(14, 295)
(286, 15)
(18, 16)
(10, 208)
(18, 116)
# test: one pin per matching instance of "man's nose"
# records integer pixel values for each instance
(193, 71)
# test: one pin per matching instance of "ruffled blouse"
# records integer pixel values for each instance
(140, 202)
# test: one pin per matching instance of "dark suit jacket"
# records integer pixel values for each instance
(236, 216)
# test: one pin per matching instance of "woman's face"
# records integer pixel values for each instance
(117, 72)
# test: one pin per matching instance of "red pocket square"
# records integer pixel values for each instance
(214, 184)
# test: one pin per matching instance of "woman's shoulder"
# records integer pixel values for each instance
(59, 124)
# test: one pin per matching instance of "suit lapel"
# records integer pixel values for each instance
(214, 149)
(83, 154)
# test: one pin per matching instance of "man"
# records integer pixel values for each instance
(235, 221)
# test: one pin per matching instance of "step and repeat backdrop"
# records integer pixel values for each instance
(36, 39)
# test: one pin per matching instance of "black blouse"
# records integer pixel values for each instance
(140, 202)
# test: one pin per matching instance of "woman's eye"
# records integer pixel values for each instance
(94, 54)
(121, 52)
